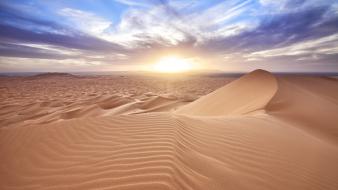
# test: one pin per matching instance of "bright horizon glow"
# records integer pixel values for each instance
(172, 64)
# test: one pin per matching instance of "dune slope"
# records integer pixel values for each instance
(247, 94)
(242, 136)
(310, 103)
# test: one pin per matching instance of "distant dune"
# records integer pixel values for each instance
(257, 132)
(49, 75)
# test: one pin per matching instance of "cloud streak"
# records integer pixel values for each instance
(244, 32)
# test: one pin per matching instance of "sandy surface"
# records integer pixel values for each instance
(257, 132)
(56, 97)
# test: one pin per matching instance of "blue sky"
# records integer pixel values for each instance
(229, 35)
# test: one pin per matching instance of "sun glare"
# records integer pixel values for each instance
(172, 64)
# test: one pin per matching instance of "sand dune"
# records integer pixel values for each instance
(54, 97)
(258, 132)
(308, 102)
(247, 94)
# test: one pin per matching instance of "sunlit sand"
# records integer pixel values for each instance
(135, 132)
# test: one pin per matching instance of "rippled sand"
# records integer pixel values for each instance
(257, 132)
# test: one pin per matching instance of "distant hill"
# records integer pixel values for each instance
(52, 75)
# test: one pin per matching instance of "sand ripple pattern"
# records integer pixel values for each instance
(161, 151)
(282, 137)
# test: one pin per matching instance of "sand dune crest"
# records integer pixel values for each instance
(247, 94)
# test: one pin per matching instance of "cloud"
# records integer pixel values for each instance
(141, 3)
(23, 35)
(278, 31)
(245, 32)
(167, 24)
(24, 51)
(85, 21)
(327, 45)
(282, 4)
(19, 17)
(289, 6)
(36, 64)
(10, 64)
(153, 27)
(79, 41)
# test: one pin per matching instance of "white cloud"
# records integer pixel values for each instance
(41, 65)
(141, 3)
(179, 4)
(85, 21)
(153, 26)
(10, 64)
(163, 23)
(54, 49)
(325, 45)
(147, 23)
(289, 6)
(278, 3)
(220, 13)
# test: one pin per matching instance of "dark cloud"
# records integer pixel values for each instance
(18, 27)
(11, 15)
(22, 51)
(279, 31)
(293, 3)
(321, 61)
(77, 41)
(169, 9)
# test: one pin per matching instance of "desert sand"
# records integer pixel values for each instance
(257, 132)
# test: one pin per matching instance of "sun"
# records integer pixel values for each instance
(172, 64)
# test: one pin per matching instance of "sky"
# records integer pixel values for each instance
(115, 35)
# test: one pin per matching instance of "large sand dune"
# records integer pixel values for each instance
(258, 132)
(250, 93)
